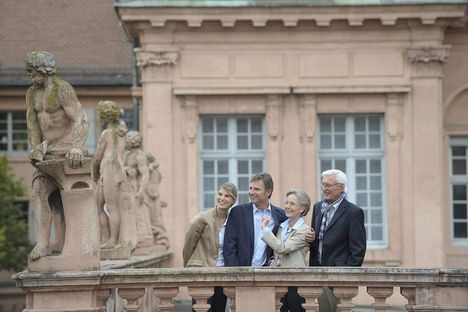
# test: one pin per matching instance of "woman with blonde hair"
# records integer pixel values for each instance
(205, 237)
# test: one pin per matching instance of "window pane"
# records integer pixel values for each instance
(244, 198)
(376, 216)
(360, 124)
(376, 200)
(221, 180)
(257, 142)
(209, 200)
(459, 166)
(256, 125)
(376, 233)
(243, 183)
(374, 124)
(459, 211)
(374, 141)
(339, 124)
(340, 141)
(242, 126)
(325, 125)
(243, 166)
(459, 192)
(325, 141)
(208, 167)
(460, 230)
(325, 165)
(361, 200)
(208, 142)
(361, 183)
(223, 167)
(375, 183)
(340, 165)
(207, 125)
(208, 183)
(361, 166)
(458, 151)
(221, 125)
(222, 142)
(242, 142)
(375, 166)
(257, 166)
(360, 141)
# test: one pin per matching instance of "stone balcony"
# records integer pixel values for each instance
(249, 289)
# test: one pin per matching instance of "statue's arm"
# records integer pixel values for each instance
(76, 113)
(38, 150)
(34, 131)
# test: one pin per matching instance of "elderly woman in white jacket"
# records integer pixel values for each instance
(289, 244)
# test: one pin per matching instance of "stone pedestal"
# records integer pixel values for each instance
(81, 248)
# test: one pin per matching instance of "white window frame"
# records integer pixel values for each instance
(9, 122)
(350, 154)
(457, 179)
(232, 155)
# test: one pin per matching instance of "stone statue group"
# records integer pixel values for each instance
(126, 178)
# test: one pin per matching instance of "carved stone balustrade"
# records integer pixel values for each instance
(249, 289)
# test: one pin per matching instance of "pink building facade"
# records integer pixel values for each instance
(379, 91)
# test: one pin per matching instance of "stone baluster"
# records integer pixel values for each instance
(131, 295)
(279, 293)
(310, 294)
(101, 296)
(165, 295)
(230, 292)
(201, 295)
(380, 294)
(410, 294)
(345, 294)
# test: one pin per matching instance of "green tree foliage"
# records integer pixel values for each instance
(14, 242)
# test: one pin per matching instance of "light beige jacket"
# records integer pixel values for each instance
(291, 252)
(201, 240)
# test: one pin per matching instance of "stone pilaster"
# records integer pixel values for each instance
(308, 122)
(427, 169)
(273, 127)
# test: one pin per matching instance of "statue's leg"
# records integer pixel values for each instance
(42, 187)
(111, 197)
(103, 220)
(58, 220)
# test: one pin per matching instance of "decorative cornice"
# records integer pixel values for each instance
(428, 54)
(158, 57)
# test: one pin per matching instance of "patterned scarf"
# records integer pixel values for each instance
(326, 214)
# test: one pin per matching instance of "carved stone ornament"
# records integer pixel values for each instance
(427, 55)
(158, 57)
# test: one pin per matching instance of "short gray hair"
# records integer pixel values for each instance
(303, 199)
(339, 175)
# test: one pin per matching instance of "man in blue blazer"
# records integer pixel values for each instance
(341, 239)
(243, 244)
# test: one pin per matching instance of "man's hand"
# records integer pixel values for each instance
(75, 157)
(310, 236)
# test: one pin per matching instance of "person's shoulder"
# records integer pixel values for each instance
(352, 206)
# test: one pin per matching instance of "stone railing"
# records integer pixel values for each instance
(249, 289)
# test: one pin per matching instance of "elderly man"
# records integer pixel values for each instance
(57, 128)
(341, 239)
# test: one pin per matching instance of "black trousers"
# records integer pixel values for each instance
(292, 301)
(217, 301)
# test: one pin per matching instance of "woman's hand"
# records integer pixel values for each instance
(265, 221)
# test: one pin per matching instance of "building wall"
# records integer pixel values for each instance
(291, 72)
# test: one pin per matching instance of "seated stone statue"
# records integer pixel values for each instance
(57, 128)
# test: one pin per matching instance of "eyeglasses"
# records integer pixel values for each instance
(292, 204)
(328, 186)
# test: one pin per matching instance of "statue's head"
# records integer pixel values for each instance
(150, 158)
(42, 62)
(109, 111)
(133, 139)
